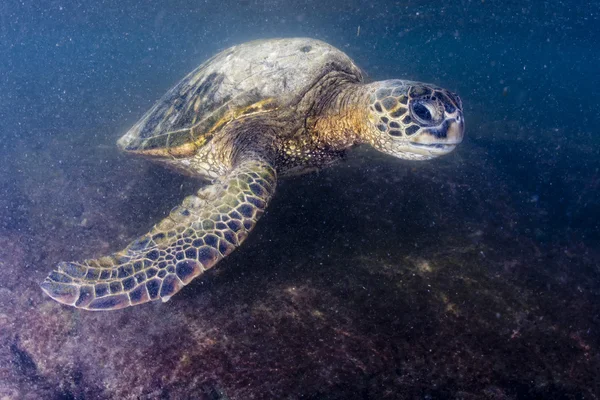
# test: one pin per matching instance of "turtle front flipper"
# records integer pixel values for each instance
(193, 238)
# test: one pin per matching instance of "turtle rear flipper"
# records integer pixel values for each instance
(193, 238)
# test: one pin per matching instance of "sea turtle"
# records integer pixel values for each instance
(252, 113)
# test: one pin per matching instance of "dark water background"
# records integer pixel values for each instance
(473, 276)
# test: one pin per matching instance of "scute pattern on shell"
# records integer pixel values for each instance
(194, 95)
(236, 78)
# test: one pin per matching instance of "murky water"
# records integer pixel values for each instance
(470, 276)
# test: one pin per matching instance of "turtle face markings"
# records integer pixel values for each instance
(414, 120)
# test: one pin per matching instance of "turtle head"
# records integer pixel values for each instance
(413, 120)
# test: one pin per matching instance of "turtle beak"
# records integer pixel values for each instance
(441, 139)
(455, 132)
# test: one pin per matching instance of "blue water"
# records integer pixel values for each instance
(519, 199)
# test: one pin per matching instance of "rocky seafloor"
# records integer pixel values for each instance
(375, 279)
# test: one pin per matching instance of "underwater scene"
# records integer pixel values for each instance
(426, 173)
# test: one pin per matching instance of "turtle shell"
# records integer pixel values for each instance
(252, 78)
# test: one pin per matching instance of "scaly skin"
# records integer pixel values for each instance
(380, 114)
(192, 239)
(209, 226)
(244, 150)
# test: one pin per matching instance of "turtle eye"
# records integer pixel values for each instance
(421, 112)
(426, 111)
